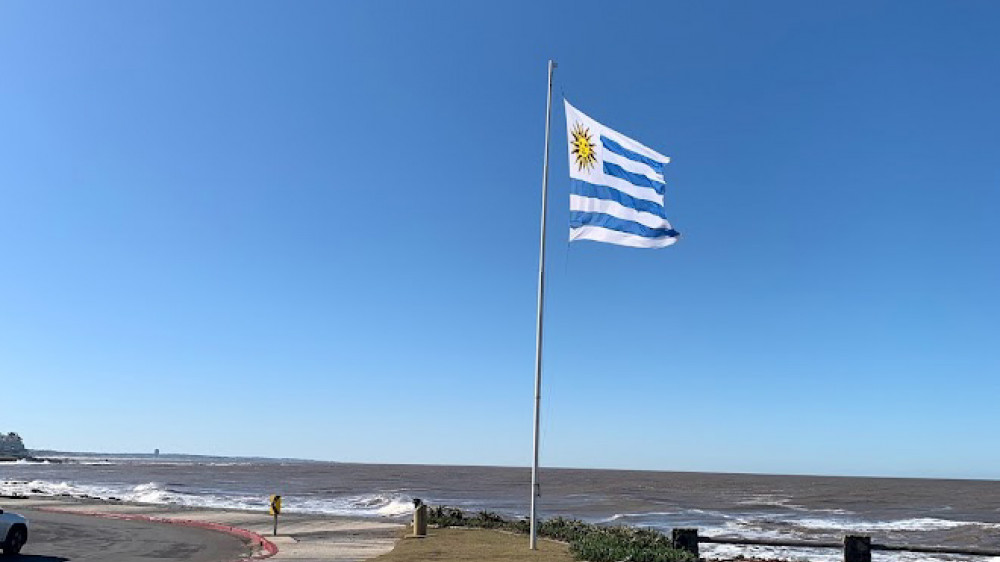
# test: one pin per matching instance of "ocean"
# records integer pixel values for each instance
(893, 511)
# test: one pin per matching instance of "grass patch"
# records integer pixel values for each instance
(592, 543)
(474, 545)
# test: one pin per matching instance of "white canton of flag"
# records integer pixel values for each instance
(617, 187)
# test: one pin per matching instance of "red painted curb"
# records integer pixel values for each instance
(269, 548)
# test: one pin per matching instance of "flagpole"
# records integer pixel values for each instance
(533, 543)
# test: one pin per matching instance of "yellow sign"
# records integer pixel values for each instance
(274, 507)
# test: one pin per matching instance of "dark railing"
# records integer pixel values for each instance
(769, 542)
(857, 548)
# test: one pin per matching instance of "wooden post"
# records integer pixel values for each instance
(857, 548)
(685, 539)
(275, 533)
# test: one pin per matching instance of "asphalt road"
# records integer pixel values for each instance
(58, 537)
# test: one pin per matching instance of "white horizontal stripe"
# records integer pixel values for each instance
(639, 192)
(600, 234)
(634, 146)
(615, 209)
(632, 166)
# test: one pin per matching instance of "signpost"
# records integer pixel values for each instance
(274, 508)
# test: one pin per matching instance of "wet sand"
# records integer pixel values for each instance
(77, 533)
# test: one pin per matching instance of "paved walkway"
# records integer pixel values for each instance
(303, 538)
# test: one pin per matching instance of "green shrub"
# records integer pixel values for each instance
(446, 517)
(589, 542)
(609, 548)
(616, 544)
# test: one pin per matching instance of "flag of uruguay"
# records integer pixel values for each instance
(617, 187)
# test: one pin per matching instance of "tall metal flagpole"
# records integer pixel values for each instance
(538, 326)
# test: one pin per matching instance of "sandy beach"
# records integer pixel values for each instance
(84, 530)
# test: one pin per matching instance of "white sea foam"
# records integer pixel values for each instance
(667, 516)
(365, 505)
(911, 524)
(767, 499)
(795, 526)
(773, 500)
(728, 551)
(763, 527)
(644, 515)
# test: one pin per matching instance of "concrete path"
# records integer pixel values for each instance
(301, 538)
(58, 537)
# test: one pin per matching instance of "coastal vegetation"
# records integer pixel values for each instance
(11, 445)
(588, 542)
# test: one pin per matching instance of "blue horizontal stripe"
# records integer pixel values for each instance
(587, 189)
(580, 218)
(631, 155)
(633, 178)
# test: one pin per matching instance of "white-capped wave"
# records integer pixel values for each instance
(910, 524)
(667, 518)
(732, 551)
(773, 500)
(363, 505)
(643, 515)
(770, 527)
(797, 554)
(796, 526)
(766, 499)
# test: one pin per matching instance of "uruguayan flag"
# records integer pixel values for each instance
(617, 187)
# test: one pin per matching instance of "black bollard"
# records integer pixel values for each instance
(857, 548)
(685, 539)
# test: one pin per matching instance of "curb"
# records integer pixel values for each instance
(269, 548)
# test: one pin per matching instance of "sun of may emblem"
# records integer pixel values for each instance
(583, 149)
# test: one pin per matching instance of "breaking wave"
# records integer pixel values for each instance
(363, 505)
(798, 526)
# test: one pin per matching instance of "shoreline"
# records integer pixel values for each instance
(301, 537)
(949, 514)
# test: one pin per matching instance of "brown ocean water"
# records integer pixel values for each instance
(897, 511)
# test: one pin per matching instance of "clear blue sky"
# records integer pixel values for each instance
(310, 229)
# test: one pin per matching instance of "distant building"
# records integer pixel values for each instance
(156, 452)
(11, 444)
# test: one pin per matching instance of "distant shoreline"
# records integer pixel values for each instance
(29, 458)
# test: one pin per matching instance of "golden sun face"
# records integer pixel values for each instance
(583, 149)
